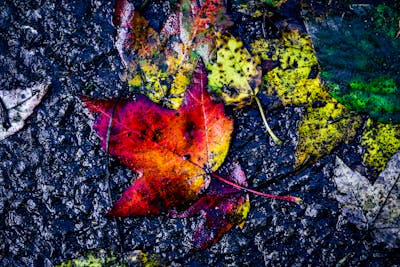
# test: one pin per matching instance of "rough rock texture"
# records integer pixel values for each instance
(54, 181)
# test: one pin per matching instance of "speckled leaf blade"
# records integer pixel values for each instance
(172, 150)
(323, 128)
(98, 258)
(235, 74)
(295, 78)
(256, 8)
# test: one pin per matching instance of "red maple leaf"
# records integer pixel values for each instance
(172, 150)
(176, 152)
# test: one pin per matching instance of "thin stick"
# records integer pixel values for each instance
(287, 198)
(270, 132)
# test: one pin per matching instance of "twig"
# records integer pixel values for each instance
(270, 132)
(287, 198)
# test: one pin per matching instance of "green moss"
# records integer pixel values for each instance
(381, 85)
(380, 98)
(360, 55)
(386, 19)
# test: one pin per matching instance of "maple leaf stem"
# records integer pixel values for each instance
(286, 198)
(270, 132)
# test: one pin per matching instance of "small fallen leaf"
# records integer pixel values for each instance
(381, 141)
(371, 207)
(174, 151)
(92, 258)
(98, 258)
(323, 128)
(17, 105)
(295, 79)
(221, 207)
(236, 75)
(160, 65)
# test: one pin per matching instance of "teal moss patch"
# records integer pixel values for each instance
(360, 58)
(380, 98)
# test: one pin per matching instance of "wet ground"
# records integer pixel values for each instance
(54, 186)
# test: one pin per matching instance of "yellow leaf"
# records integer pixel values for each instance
(381, 141)
(235, 74)
(323, 128)
(295, 81)
(243, 211)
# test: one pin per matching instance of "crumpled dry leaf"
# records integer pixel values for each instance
(17, 105)
(374, 207)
